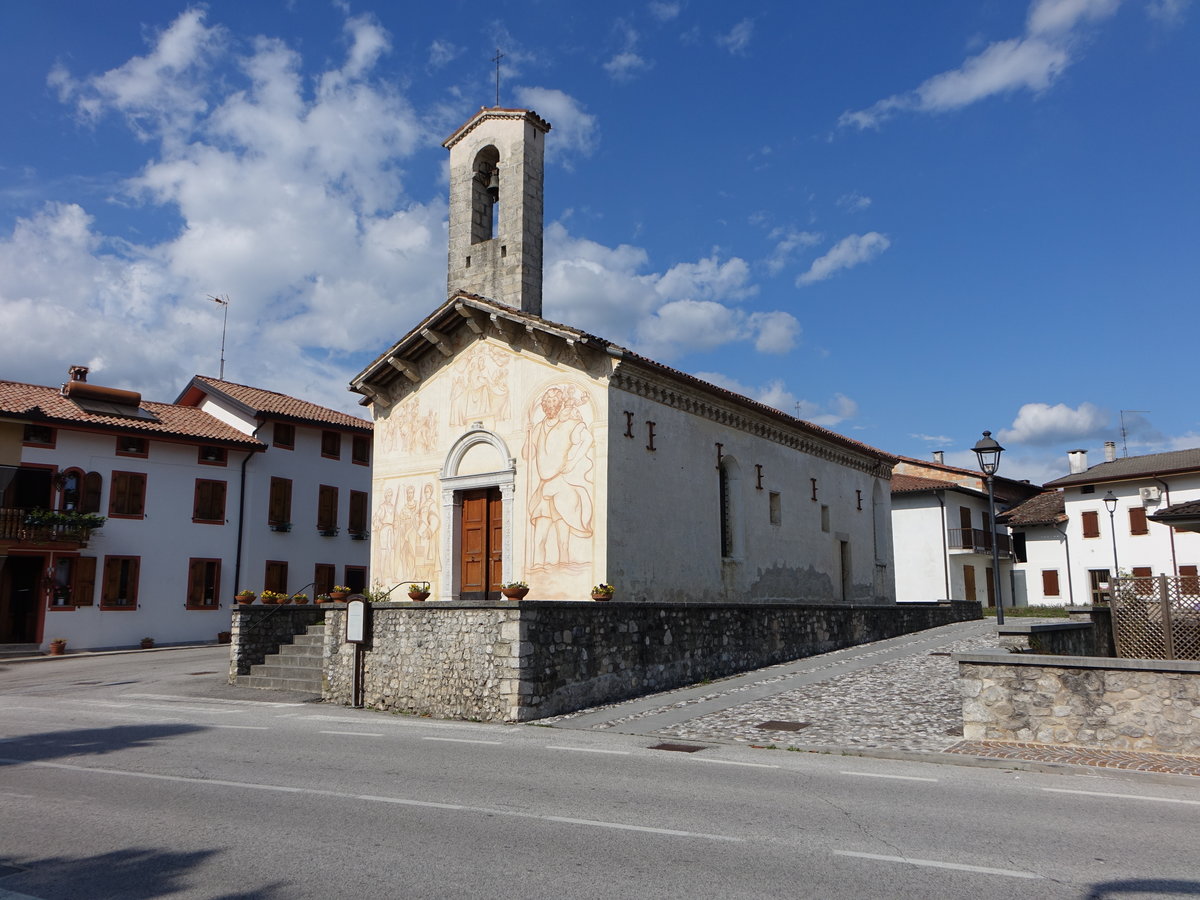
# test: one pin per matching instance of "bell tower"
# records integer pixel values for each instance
(496, 174)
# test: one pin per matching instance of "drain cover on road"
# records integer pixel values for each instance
(678, 748)
(776, 725)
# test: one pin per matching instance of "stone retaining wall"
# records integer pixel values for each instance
(516, 661)
(1111, 704)
(259, 630)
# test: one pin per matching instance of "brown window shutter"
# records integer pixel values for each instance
(280, 507)
(1189, 583)
(134, 567)
(358, 511)
(1091, 524)
(1050, 583)
(112, 580)
(323, 578)
(1142, 572)
(83, 592)
(327, 507)
(89, 498)
(1137, 520)
(117, 493)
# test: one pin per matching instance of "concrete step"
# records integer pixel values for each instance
(270, 682)
(307, 640)
(305, 651)
(8, 651)
(283, 670)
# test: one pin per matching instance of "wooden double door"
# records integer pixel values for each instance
(481, 555)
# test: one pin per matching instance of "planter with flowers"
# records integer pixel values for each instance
(147, 643)
(58, 646)
(244, 597)
(300, 599)
(602, 591)
(269, 597)
(514, 590)
(418, 591)
(322, 598)
(340, 592)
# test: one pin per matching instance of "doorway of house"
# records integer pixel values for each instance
(481, 558)
(1099, 584)
(20, 599)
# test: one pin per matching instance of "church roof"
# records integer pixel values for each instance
(494, 112)
(261, 402)
(475, 310)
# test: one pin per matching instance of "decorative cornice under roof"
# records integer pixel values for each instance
(495, 112)
(1152, 465)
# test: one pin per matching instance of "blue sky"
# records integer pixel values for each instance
(905, 226)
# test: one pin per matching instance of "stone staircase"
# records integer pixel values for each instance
(12, 651)
(296, 667)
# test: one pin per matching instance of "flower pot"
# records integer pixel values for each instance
(338, 596)
(58, 648)
(300, 600)
(147, 643)
(514, 593)
(224, 637)
(418, 596)
(599, 596)
(245, 600)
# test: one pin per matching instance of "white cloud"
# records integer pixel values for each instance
(850, 251)
(1031, 62)
(854, 202)
(575, 132)
(1167, 12)
(787, 242)
(932, 438)
(1040, 424)
(442, 53)
(738, 38)
(625, 65)
(774, 393)
(664, 11)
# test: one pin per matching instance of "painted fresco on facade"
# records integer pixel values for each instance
(560, 452)
(479, 392)
(408, 430)
(406, 529)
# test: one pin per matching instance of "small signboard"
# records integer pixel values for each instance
(356, 621)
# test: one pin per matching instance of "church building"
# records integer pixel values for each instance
(508, 447)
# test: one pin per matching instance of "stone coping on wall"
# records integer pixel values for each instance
(1042, 625)
(1000, 658)
(672, 604)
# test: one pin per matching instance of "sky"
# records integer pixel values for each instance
(908, 223)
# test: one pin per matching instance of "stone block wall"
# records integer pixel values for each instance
(1111, 704)
(259, 630)
(525, 660)
(1056, 638)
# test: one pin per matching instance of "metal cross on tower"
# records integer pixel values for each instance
(496, 59)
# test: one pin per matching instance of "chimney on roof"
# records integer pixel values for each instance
(939, 457)
(1110, 451)
(1078, 461)
(78, 373)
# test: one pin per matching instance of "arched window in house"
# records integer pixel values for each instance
(70, 485)
(485, 192)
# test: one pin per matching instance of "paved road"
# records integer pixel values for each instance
(138, 776)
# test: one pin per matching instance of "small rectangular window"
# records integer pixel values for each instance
(204, 583)
(1091, 523)
(331, 445)
(1050, 586)
(824, 517)
(360, 453)
(356, 579)
(279, 509)
(212, 456)
(127, 495)
(132, 446)
(283, 435)
(120, 589)
(776, 512)
(38, 436)
(1088, 489)
(1137, 520)
(208, 506)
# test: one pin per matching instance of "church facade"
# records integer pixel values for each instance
(511, 448)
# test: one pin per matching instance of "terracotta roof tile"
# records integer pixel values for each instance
(1044, 509)
(1187, 510)
(42, 403)
(272, 403)
(915, 484)
(1134, 467)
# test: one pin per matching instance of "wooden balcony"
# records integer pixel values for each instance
(977, 540)
(22, 528)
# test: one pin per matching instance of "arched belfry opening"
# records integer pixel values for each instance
(496, 176)
(485, 194)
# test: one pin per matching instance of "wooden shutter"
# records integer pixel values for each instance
(131, 592)
(327, 498)
(89, 498)
(1142, 572)
(112, 580)
(1137, 520)
(358, 512)
(1189, 583)
(195, 595)
(1091, 524)
(1050, 586)
(968, 582)
(280, 507)
(991, 586)
(210, 501)
(323, 578)
(83, 591)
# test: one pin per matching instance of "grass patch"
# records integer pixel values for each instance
(1029, 612)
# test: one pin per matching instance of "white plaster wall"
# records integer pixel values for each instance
(1045, 548)
(918, 531)
(664, 515)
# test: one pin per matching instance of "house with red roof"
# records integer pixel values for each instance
(123, 518)
(511, 448)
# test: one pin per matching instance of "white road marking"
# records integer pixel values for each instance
(1123, 796)
(730, 762)
(935, 864)
(244, 727)
(222, 700)
(896, 777)
(459, 740)
(355, 733)
(588, 750)
(403, 801)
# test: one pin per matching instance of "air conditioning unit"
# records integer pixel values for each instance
(1149, 494)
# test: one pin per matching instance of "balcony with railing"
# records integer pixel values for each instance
(977, 540)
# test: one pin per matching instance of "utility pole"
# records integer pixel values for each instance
(224, 303)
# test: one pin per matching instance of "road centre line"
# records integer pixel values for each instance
(731, 762)
(355, 733)
(402, 801)
(222, 700)
(588, 750)
(896, 777)
(1122, 796)
(460, 740)
(935, 864)
(245, 727)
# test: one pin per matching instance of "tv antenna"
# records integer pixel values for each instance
(1124, 433)
(496, 59)
(224, 303)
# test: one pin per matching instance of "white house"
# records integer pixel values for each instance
(184, 492)
(509, 447)
(942, 532)
(1042, 551)
(1130, 537)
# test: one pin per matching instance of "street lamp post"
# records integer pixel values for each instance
(988, 451)
(1110, 502)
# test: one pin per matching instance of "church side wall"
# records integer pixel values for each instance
(665, 541)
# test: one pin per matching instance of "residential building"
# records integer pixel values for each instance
(1042, 561)
(510, 447)
(183, 490)
(943, 536)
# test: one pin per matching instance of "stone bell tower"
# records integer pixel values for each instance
(496, 173)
